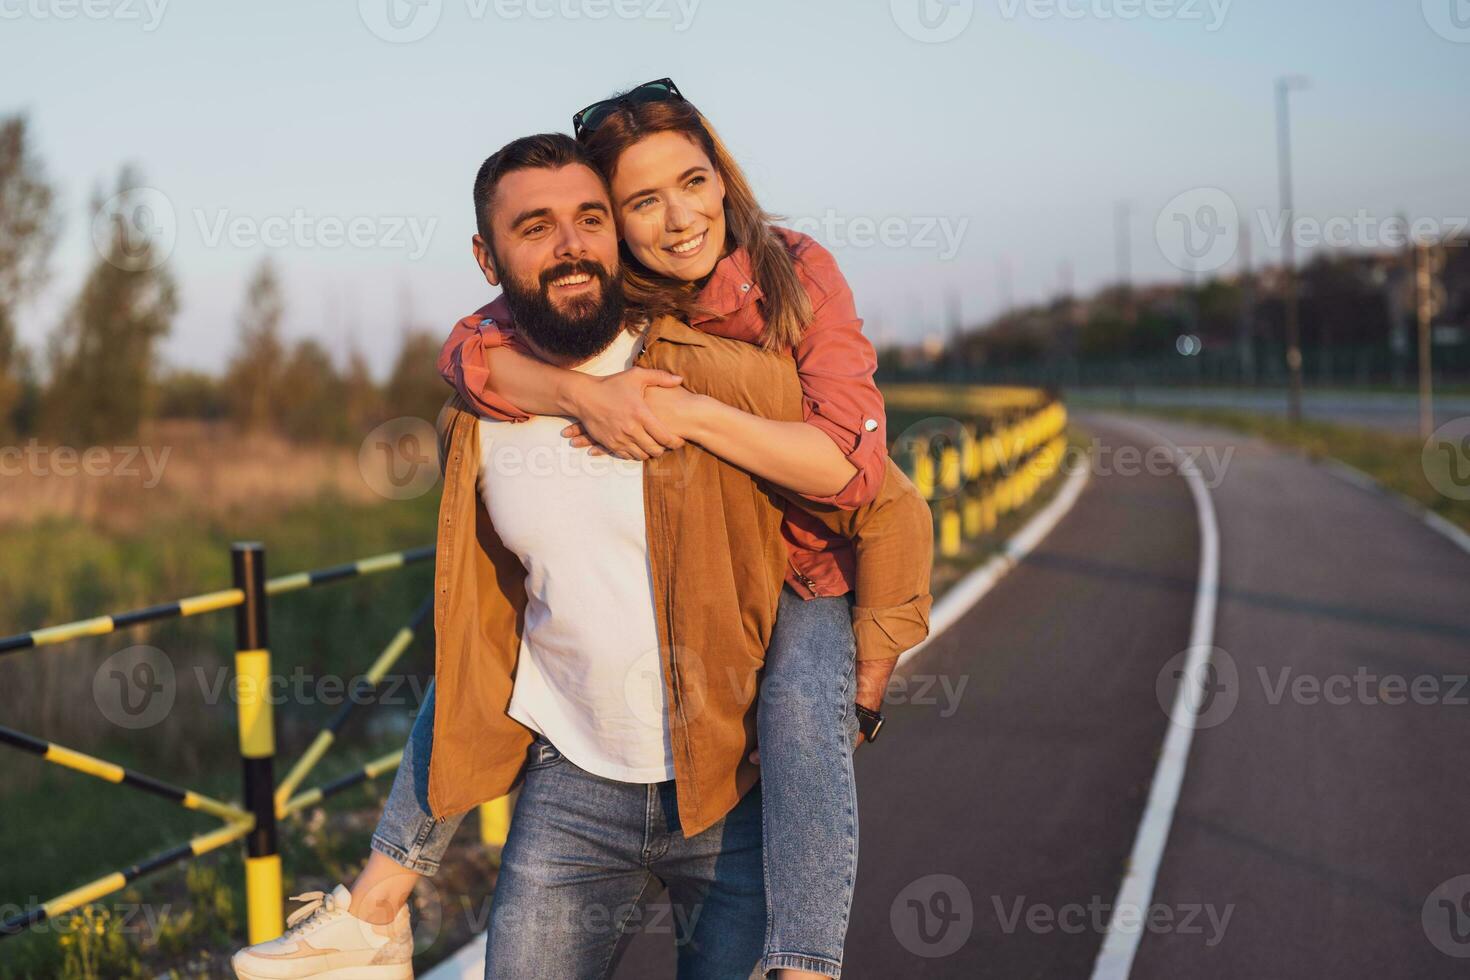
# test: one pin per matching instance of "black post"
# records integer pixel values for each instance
(257, 742)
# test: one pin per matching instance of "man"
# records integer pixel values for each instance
(562, 657)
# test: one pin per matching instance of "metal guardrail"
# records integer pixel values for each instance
(264, 802)
(988, 463)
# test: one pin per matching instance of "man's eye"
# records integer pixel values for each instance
(593, 220)
(535, 229)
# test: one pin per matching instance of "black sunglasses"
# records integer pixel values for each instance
(661, 90)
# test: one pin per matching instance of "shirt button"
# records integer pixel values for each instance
(871, 425)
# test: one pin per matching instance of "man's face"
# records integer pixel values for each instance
(555, 253)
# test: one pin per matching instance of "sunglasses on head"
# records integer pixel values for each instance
(661, 90)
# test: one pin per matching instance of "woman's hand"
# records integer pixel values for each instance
(672, 410)
(615, 417)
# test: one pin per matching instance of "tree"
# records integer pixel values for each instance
(414, 386)
(28, 226)
(103, 353)
(254, 375)
(362, 402)
(309, 408)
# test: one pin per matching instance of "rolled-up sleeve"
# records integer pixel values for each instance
(462, 363)
(836, 364)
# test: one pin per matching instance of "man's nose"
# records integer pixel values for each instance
(571, 242)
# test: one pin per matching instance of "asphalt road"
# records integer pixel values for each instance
(1396, 412)
(1320, 827)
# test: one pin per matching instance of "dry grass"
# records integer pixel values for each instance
(181, 469)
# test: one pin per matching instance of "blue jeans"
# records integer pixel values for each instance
(583, 854)
(806, 727)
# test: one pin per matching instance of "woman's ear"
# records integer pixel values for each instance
(485, 260)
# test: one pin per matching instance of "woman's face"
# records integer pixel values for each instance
(670, 206)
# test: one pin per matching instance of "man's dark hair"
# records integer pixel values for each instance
(549, 150)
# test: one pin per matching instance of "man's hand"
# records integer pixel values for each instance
(614, 415)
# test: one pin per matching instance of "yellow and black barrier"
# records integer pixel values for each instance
(209, 601)
(362, 686)
(118, 880)
(995, 450)
(113, 773)
(254, 820)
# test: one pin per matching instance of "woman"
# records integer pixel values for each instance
(696, 243)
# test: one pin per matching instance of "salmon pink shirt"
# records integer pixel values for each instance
(834, 362)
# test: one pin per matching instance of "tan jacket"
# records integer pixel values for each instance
(718, 564)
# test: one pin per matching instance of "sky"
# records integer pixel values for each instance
(956, 155)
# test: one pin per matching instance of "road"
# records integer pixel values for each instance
(1323, 797)
(1396, 412)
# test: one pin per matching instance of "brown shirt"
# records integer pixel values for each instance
(718, 561)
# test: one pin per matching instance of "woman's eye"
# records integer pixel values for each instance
(697, 181)
(640, 205)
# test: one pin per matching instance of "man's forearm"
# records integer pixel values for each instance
(793, 455)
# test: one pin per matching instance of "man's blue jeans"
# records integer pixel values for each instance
(806, 731)
(583, 855)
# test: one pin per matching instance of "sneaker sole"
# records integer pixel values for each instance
(384, 971)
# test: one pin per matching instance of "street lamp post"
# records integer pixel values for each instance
(1284, 87)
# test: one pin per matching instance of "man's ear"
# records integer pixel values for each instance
(485, 260)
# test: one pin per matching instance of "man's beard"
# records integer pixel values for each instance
(584, 329)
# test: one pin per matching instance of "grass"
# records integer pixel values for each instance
(1397, 462)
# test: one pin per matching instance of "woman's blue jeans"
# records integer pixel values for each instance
(807, 728)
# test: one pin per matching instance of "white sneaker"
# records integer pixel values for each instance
(324, 941)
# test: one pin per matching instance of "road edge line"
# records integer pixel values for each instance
(1135, 893)
(974, 586)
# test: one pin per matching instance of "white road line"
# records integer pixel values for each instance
(1130, 908)
(973, 587)
(469, 962)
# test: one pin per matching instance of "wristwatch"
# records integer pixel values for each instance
(870, 722)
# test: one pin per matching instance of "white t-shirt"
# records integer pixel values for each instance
(590, 677)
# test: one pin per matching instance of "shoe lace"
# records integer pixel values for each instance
(317, 902)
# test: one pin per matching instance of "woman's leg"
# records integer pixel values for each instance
(408, 842)
(807, 728)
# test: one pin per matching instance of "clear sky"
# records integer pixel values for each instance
(928, 164)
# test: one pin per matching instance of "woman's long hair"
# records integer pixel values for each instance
(786, 306)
